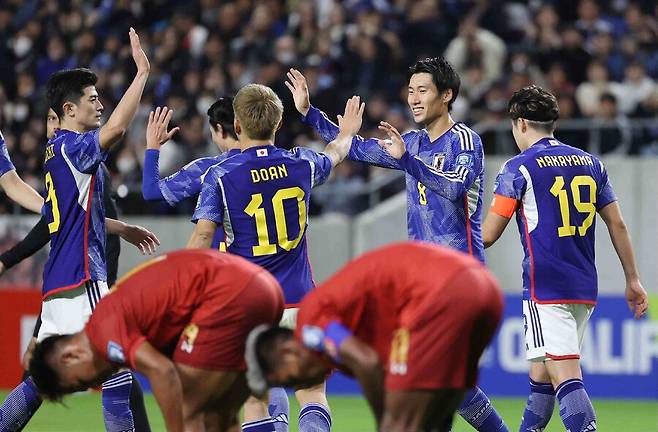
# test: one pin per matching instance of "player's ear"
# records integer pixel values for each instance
(220, 130)
(447, 95)
(69, 109)
(236, 126)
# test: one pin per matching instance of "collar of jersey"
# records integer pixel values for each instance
(544, 142)
(256, 148)
(443, 134)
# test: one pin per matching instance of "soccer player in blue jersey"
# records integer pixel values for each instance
(15, 188)
(444, 167)
(187, 181)
(261, 197)
(75, 273)
(555, 191)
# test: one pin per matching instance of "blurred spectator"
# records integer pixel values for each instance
(635, 88)
(614, 134)
(475, 42)
(588, 93)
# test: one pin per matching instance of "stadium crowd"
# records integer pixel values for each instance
(600, 58)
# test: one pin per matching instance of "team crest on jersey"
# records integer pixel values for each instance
(115, 352)
(189, 336)
(261, 152)
(439, 159)
(399, 352)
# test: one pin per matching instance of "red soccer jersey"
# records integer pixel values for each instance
(156, 300)
(382, 291)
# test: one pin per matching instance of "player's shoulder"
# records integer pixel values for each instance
(224, 166)
(464, 138)
(514, 163)
(302, 153)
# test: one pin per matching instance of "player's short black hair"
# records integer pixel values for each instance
(45, 377)
(221, 112)
(68, 85)
(536, 105)
(443, 74)
(266, 347)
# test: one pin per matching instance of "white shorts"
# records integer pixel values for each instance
(289, 318)
(554, 331)
(68, 311)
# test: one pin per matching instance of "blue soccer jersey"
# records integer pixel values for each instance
(444, 177)
(74, 209)
(184, 183)
(555, 191)
(261, 197)
(5, 161)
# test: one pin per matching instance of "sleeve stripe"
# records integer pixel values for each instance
(462, 138)
(504, 206)
(459, 175)
(467, 137)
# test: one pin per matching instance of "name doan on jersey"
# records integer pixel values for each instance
(564, 160)
(269, 173)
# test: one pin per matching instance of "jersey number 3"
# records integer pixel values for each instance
(52, 199)
(255, 210)
(587, 206)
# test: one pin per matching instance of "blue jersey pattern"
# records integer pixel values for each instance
(559, 189)
(445, 180)
(261, 197)
(187, 182)
(74, 209)
(5, 161)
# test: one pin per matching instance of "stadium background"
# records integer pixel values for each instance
(599, 58)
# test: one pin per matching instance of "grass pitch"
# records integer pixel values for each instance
(350, 414)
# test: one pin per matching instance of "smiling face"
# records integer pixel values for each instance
(87, 111)
(425, 101)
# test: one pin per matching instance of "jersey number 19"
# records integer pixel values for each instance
(587, 206)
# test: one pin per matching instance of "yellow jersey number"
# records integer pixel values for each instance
(587, 205)
(255, 209)
(52, 199)
(422, 196)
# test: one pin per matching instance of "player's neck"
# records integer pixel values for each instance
(247, 143)
(439, 126)
(72, 126)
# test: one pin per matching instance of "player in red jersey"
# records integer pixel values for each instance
(181, 320)
(409, 321)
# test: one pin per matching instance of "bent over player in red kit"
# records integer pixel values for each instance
(409, 321)
(181, 320)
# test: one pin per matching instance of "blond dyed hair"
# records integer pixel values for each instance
(259, 111)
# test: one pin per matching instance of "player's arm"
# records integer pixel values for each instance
(349, 125)
(364, 150)
(143, 239)
(118, 123)
(362, 361)
(636, 296)
(37, 238)
(20, 192)
(156, 136)
(500, 213)
(165, 383)
(451, 185)
(208, 213)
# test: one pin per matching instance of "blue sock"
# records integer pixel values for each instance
(19, 406)
(265, 425)
(279, 408)
(539, 409)
(314, 417)
(478, 411)
(116, 403)
(576, 409)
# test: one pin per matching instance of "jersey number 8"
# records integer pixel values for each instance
(255, 210)
(588, 207)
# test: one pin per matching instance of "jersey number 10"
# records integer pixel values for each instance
(588, 206)
(255, 210)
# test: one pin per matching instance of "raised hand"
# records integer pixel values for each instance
(156, 129)
(139, 56)
(299, 90)
(350, 122)
(395, 144)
